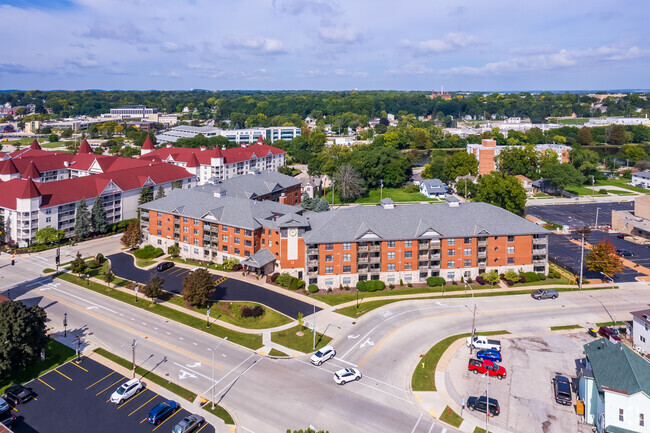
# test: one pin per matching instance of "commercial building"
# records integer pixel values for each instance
(641, 179)
(41, 188)
(626, 121)
(343, 246)
(248, 135)
(207, 164)
(635, 223)
(132, 112)
(487, 151)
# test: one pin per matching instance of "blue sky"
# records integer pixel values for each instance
(325, 44)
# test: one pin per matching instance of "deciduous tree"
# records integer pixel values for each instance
(153, 288)
(348, 183)
(461, 164)
(562, 175)
(48, 235)
(23, 336)
(602, 257)
(197, 288)
(502, 190)
(78, 265)
(132, 236)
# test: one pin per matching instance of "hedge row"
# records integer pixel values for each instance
(288, 281)
(371, 286)
(435, 281)
(148, 252)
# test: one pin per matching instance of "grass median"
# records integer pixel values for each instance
(252, 341)
(451, 417)
(302, 343)
(563, 327)
(424, 376)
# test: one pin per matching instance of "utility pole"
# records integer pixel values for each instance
(381, 190)
(583, 232)
(471, 346)
(314, 325)
(65, 324)
(135, 343)
(597, 209)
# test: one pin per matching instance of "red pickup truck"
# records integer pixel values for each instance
(484, 366)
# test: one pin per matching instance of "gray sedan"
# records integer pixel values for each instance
(544, 294)
(188, 424)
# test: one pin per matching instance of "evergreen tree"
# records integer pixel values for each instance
(98, 217)
(146, 195)
(177, 184)
(82, 224)
(160, 193)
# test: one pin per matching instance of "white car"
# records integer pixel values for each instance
(325, 353)
(346, 375)
(126, 391)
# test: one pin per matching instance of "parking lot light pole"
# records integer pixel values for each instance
(473, 317)
(213, 384)
(611, 280)
(487, 395)
(596, 226)
(65, 324)
(135, 343)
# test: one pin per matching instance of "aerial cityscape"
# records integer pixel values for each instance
(321, 217)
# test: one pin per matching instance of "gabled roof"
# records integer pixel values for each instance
(84, 148)
(148, 144)
(617, 367)
(8, 167)
(255, 184)
(31, 172)
(260, 259)
(193, 162)
(232, 155)
(28, 190)
(35, 145)
(642, 315)
(433, 186)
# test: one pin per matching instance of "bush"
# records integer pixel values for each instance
(313, 288)
(480, 280)
(602, 191)
(296, 284)
(531, 277)
(148, 252)
(541, 277)
(410, 285)
(347, 287)
(256, 311)
(274, 277)
(435, 281)
(371, 286)
(392, 286)
(237, 267)
(291, 283)
(552, 273)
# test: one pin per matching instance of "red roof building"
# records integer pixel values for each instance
(84, 148)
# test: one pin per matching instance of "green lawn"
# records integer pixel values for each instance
(364, 307)
(581, 190)
(547, 281)
(451, 417)
(352, 295)
(622, 184)
(619, 192)
(542, 195)
(397, 194)
(424, 378)
(270, 319)
(252, 341)
(55, 355)
(288, 338)
(562, 327)
(220, 412)
(577, 121)
(143, 263)
(478, 429)
(618, 323)
(26, 141)
(276, 352)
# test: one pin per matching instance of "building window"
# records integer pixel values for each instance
(237, 251)
(329, 269)
(224, 248)
(329, 258)
(237, 241)
(511, 250)
(185, 248)
(159, 241)
(159, 232)
(511, 238)
(451, 241)
(511, 260)
(408, 266)
(391, 244)
(451, 252)
(196, 250)
(641, 420)
(158, 223)
(236, 231)
(468, 241)
(621, 417)
(185, 220)
(347, 269)
(329, 281)
(185, 229)
(196, 232)
(247, 253)
(224, 228)
(391, 266)
(248, 233)
(408, 254)
(642, 338)
(185, 239)
(159, 215)
(391, 255)
(451, 264)
(196, 222)
(224, 238)
(467, 263)
(248, 243)
(451, 276)
(347, 245)
(347, 257)
(347, 280)
(329, 247)
(196, 241)
(48, 219)
(408, 277)
(467, 251)
(408, 244)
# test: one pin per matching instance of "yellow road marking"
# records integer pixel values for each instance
(432, 413)
(220, 280)
(132, 398)
(233, 429)
(40, 380)
(77, 365)
(202, 427)
(145, 418)
(167, 419)
(63, 375)
(100, 380)
(143, 405)
(15, 409)
(112, 384)
(418, 397)
(383, 340)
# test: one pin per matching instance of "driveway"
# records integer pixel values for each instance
(227, 289)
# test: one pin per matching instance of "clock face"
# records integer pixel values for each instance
(293, 232)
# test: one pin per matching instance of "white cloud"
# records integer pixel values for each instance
(339, 72)
(340, 35)
(82, 62)
(257, 45)
(173, 47)
(452, 41)
(295, 7)
(125, 32)
(412, 68)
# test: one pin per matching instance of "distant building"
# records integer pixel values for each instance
(641, 179)
(635, 223)
(487, 151)
(248, 135)
(641, 330)
(527, 184)
(433, 188)
(442, 94)
(132, 111)
(627, 121)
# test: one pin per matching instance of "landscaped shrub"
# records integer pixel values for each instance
(541, 276)
(229, 264)
(274, 277)
(435, 281)
(552, 273)
(531, 277)
(410, 285)
(522, 278)
(296, 284)
(480, 280)
(148, 252)
(256, 311)
(392, 286)
(511, 276)
(313, 288)
(237, 267)
(371, 286)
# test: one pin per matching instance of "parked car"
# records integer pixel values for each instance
(7, 418)
(624, 253)
(484, 366)
(163, 266)
(126, 391)
(3, 405)
(18, 394)
(346, 375)
(481, 404)
(327, 352)
(562, 390)
(610, 333)
(544, 294)
(188, 424)
(489, 354)
(162, 411)
(481, 342)
(620, 236)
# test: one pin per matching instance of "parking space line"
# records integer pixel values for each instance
(79, 366)
(143, 405)
(132, 398)
(202, 427)
(40, 380)
(63, 375)
(100, 380)
(168, 418)
(112, 384)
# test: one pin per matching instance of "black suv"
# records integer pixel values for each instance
(17, 394)
(562, 390)
(480, 404)
(164, 266)
(624, 253)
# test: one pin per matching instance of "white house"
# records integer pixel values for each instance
(433, 188)
(641, 179)
(641, 330)
(614, 383)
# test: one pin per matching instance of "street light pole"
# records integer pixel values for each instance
(357, 298)
(611, 280)
(314, 327)
(487, 395)
(65, 324)
(596, 226)
(135, 343)
(213, 384)
(473, 318)
(584, 231)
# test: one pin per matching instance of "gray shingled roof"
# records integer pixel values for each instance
(254, 185)
(616, 366)
(643, 174)
(434, 186)
(416, 221)
(260, 259)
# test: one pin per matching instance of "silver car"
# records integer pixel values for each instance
(544, 294)
(188, 424)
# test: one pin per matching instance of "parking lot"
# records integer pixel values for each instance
(75, 398)
(579, 215)
(525, 396)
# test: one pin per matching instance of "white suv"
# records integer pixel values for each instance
(327, 352)
(346, 375)
(126, 391)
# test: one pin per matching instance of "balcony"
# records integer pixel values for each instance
(375, 259)
(423, 265)
(435, 256)
(375, 248)
(482, 254)
(206, 237)
(424, 245)
(435, 266)
(435, 243)
(363, 259)
(539, 241)
(539, 262)
(312, 250)
(312, 262)
(312, 273)
(363, 248)
(539, 251)
(362, 269)
(482, 243)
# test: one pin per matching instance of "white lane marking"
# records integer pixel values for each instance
(42, 280)
(155, 328)
(193, 371)
(247, 429)
(194, 365)
(416, 424)
(181, 338)
(92, 307)
(240, 374)
(169, 333)
(226, 375)
(444, 430)
(184, 375)
(368, 342)
(53, 287)
(431, 428)
(144, 323)
(352, 337)
(194, 343)
(132, 318)
(342, 360)
(121, 314)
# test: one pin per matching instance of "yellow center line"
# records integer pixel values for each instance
(63, 375)
(79, 366)
(382, 341)
(40, 380)
(112, 384)
(202, 427)
(168, 418)
(112, 372)
(132, 398)
(143, 405)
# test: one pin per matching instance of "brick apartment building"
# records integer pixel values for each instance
(340, 247)
(487, 151)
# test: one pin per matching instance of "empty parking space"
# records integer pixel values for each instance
(76, 398)
(579, 215)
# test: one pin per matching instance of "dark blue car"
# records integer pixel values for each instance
(489, 354)
(162, 412)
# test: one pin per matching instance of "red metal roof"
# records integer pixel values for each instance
(84, 148)
(8, 167)
(193, 162)
(148, 144)
(204, 156)
(35, 145)
(31, 172)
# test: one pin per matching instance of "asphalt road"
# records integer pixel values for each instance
(226, 290)
(74, 398)
(579, 215)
